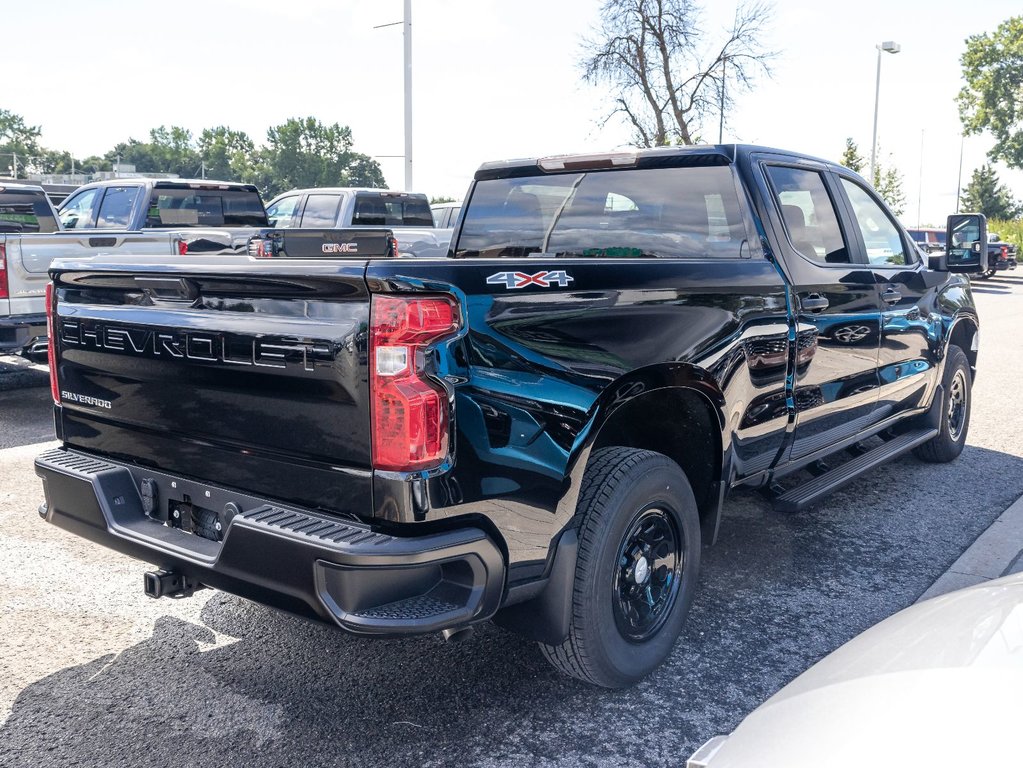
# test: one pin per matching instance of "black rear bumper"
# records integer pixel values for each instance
(19, 331)
(297, 560)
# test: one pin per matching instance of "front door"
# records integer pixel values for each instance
(910, 323)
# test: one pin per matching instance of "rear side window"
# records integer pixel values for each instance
(172, 208)
(809, 214)
(652, 212)
(115, 210)
(320, 211)
(391, 210)
(25, 212)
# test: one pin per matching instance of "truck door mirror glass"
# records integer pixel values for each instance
(966, 239)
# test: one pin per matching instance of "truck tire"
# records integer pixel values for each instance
(636, 570)
(957, 383)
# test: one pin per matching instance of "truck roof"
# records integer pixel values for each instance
(700, 154)
(10, 186)
(165, 182)
(312, 190)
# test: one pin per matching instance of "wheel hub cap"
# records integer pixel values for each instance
(641, 572)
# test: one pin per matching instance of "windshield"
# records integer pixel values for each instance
(174, 207)
(659, 212)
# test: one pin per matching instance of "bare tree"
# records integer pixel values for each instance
(665, 75)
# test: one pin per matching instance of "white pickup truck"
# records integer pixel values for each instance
(406, 214)
(150, 219)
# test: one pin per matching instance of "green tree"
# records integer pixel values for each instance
(887, 180)
(226, 154)
(888, 183)
(664, 74)
(303, 152)
(985, 194)
(169, 150)
(851, 158)
(17, 138)
(438, 200)
(992, 99)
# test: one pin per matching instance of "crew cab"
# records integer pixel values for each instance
(541, 427)
(406, 214)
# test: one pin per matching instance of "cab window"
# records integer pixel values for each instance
(881, 237)
(282, 213)
(77, 211)
(808, 214)
(115, 210)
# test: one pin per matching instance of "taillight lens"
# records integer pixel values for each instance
(409, 411)
(182, 248)
(1005, 251)
(4, 290)
(51, 343)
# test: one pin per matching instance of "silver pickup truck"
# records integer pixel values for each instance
(406, 214)
(147, 218)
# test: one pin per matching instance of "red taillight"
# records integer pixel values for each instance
(182, 248)
(51, 343)
(409, 411)
(4, 291)
(1005, 251)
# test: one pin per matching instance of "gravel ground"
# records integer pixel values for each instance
(94, 673)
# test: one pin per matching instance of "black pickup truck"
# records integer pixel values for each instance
(540, 428)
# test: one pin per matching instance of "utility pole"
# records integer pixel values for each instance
(15, 156)
(959, 183)
(406, 23)
(408, 95)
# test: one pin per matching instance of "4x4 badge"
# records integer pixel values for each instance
(544, 279)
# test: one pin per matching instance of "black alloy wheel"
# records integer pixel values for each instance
(648, 575)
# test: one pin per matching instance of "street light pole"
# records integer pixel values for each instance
(888, 47)
(408, 95)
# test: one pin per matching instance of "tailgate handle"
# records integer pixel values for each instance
(170, 288)
(102, 242)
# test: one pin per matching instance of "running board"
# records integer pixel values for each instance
(812, 491)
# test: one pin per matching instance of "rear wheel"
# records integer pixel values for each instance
(957, 383)
(637, 567)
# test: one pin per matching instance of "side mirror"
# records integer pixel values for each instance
(936, 262)
(966, 243)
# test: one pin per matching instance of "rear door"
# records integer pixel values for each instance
(834, 298)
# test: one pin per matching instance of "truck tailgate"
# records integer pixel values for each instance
(246, 377)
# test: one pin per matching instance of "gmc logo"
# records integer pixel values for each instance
(340, 247)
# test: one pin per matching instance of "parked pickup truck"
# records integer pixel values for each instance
(1001, 256)
(24, 208)
(539, 428)
(145, 218)
(407, 214)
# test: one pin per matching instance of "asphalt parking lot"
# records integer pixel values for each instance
(94, 673)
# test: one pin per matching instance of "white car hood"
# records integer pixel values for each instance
(940, 683)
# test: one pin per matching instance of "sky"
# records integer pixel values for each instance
(491, 80)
